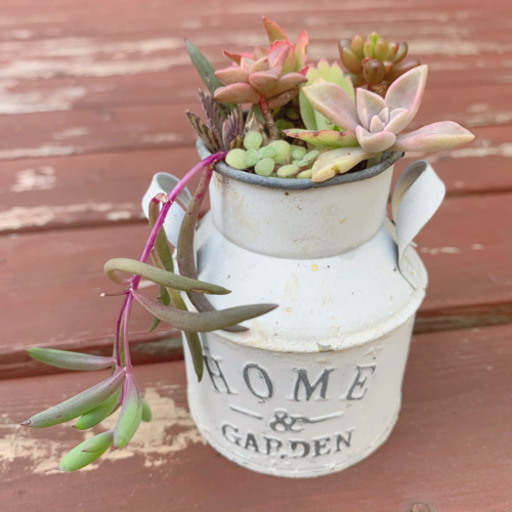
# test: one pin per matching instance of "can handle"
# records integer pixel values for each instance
(417, 195)
(163, 183)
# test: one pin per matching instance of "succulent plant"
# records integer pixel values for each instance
(223, 128)
(257, 77)
(377, 122)
(277, 159)
(374, 62)
(322, 72)
(269, 77)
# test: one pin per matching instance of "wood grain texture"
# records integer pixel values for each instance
(37, 194)
(466, 249)
(92, 100)
(51, 296)
(450, 450)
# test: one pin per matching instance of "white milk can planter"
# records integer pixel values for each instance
(315, 385)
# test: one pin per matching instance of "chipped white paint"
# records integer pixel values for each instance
(478, 247)
(439, 250)
(154, 440)
(36, 19)
(20, 217)
(489, 117)
(442, 47)
(478, 108)
(504, 150)
(120, 215)
(37, 178)
(41, 151)
(21, 34)
(32, 69)
(88, 57)
(158, 138)
(192, 23)
(70, 133)
(78, 47)
(42, 100)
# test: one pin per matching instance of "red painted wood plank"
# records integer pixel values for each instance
(86, 190)
(49, 18)
(100, 130)
(111, 128)
(51, 285)
(452, 434)
(466, 249)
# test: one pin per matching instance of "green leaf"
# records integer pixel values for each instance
(131, 413)
(196, 352)
(86, 452)
(274, 31)
(330, 139)
(161, 243)
(78, 404)
(185, 254)
(202, 322)
(146, 411)
(203, 66)
(165, 299)
(193, 341)
(322, 72)
(99, 413)
(159, 276)
(70, 360)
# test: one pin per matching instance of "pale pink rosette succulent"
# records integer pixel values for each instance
(378, 122)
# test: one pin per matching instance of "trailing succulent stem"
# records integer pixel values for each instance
(120, 390)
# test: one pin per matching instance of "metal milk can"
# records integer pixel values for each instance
(315, 385)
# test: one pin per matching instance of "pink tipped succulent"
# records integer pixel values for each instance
(296, 60)
(254, 78)
(378, 122)
(273, 73)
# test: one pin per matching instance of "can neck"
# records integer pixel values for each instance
(300, 224)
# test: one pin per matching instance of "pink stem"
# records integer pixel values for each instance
(124, 314)
(117, 345)
(171, 197)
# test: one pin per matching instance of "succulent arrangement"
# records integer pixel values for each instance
(269, 113)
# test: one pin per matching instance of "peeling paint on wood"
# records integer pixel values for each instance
(21, 102)
(92, 108)
(171, 430)
(19, 217)
(39, 178)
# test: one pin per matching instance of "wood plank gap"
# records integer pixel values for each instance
(144, 349)
(463, 317)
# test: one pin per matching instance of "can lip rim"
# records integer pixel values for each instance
(389, 158)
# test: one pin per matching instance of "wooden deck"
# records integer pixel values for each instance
(92, 101)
